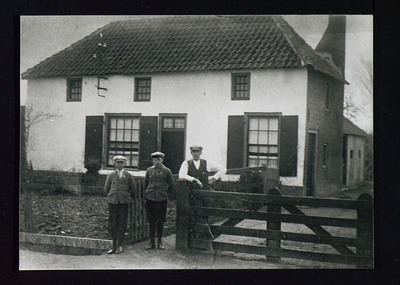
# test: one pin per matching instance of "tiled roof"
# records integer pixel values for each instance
(350, 129)
(185, 43)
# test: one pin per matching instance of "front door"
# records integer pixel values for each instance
(310, 178)
(173, 141)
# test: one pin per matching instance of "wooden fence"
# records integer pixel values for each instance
(269, 210)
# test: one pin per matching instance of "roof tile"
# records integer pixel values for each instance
(184, 43)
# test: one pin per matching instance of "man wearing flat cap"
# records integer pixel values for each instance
(120, 189)
(157, 182)
(196, 170)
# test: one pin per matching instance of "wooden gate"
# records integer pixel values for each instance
(269, 210)
(138, 228)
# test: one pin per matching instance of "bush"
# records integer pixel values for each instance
(91, 176)
(251, 182)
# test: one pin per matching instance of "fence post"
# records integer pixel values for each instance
(273, 225)
(364, 212)
(271, 178)
(182, 216)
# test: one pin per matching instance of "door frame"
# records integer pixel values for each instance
(159, 131)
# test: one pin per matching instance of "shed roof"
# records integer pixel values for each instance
(185, 43)
(350, 129)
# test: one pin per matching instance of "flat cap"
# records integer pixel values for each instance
(196, 147)
(119, 158)
(158, 154)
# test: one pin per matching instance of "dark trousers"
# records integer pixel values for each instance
(156, 215)
(118, 222)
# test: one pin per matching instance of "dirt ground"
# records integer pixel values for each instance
(137, 258)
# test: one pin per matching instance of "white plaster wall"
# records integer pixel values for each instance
(205, 97)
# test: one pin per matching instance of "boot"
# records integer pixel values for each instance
(114, 248)
(152, 244)
(160, 245)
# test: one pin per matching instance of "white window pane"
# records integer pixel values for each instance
(120, 145)
(128, 123)
(273, 149)
(273, 162)
(113, 123)
(263, 149)
(273, 138)
(273, 124)
(252, 161)
(120, 123)
(253, 149)
(263, 161)
(135, 135)
(127, 135)
(253, 124)
(128, 161)
(179, 123)
(135, 160)
(263, 124)
(135, 123)
(110, 159)
(112, 135)
(263, 139)
(168, 123)
(120, 135)
(253, 137)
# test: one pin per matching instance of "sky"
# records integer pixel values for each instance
(43, 36)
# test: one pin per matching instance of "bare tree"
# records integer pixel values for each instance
(29, 118)
(362, 88)
(32, 118)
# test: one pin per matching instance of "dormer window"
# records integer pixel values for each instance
(74, 90)
(241, 86)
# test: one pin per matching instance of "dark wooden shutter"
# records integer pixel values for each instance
(94, 139)
(148, 140)
(288, 146)
(235, 142)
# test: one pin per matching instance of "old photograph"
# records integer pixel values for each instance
(196, 142)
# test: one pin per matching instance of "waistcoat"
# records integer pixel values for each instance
(201, 173)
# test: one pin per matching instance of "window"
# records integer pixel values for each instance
(253, 141)
(142, 89)
(327, 96)
(241, 86)
(173, 123)
(74, 90)
(351, 154)
(263, 142)
(123, 139)
(359, 153)
(325, 155)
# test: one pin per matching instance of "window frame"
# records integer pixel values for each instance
(247, 117)
(69, 89)
(325, 155)
(106, 135)
(234, 84)
(136, 90)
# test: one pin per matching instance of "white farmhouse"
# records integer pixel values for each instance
(249, 89)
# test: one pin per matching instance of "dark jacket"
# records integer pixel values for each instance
(119, 190)
(157, 182)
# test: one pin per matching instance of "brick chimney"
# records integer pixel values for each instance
(333, 42)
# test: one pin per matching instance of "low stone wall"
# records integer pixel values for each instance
(63, 244)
